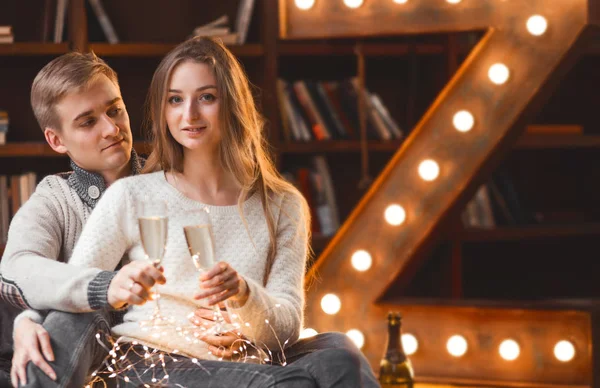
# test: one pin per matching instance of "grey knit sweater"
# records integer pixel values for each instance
(34, 273)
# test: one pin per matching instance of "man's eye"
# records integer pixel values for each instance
(114, 112)
(88, 123)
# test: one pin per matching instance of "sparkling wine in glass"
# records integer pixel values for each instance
(153, 222)
(199, 237)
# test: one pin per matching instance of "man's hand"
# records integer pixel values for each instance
(30, 337)
(133, 283)
(219, 345)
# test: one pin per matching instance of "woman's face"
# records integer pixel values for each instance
(192, 107)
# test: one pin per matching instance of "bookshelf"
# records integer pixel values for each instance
(407, 72)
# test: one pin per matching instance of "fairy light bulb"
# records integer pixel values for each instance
(564, 351)
(499, 73)
(357, 337)
(509, 350)
(409, 344)
(361, 260)
(353, 3)
(305, 4)
(463, 121)
(457, 345)
(429, 170)
(395, 215)
(331, 304)
(537, 25)
(453, 1)
(308, 332)
(400, 1)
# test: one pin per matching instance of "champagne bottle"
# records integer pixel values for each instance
(396, 370)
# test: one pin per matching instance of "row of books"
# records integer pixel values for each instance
(6, 35)
(497, 203)
(15, 190)
(315, 184)
(313, 110)
(3, 126)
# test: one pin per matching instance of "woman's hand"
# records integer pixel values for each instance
(220, 283)
(133, 283)
(32, 343)
(222, 345)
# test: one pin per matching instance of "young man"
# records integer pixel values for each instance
(78, 104)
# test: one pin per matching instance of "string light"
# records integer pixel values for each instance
(395, 215)
(357, 337)
(463, 121)
(409, 344)
(305, 4)
(429, 170)
(453, 1)
(564, 351)
(361, 260)
(537, 25)
(331, 304)
(499, 73)
(308, 332)
(457, 345)
(400, 1)
(509, 350)
(353, 3)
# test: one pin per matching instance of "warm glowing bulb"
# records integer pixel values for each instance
(409, 344)
(537, 25)
(509, 350)
(308, 332)
(499, 73)
(463, 121)
(395, 215)
(429, 170)
(357, 337)
(564, 351)
(400, 1)
(361, 260)
(305, 4)
(453, 1)
(353, 3)
(457, 345)
(331, 304)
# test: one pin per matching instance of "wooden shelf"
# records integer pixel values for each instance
(33, 48)
(526, 142)
(369, 49)
(43, 150)
(530, 232)
(160, 49)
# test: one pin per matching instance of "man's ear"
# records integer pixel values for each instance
(55, 141)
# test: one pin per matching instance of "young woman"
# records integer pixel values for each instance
(209, 152)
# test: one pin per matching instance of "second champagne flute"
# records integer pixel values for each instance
(199, 237)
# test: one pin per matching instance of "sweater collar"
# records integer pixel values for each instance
(90, 186)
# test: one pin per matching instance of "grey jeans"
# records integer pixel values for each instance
(327, 360)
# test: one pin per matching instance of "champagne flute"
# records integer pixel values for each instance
(153, 221)
(199, 237)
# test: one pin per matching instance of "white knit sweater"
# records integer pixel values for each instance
(112, 231)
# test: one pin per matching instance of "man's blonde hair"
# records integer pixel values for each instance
(68, 73)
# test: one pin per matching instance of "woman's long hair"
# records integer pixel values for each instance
(243, 148)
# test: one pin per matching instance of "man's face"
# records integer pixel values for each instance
(95, 130)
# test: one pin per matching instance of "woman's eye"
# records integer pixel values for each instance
(207, 97)
(174, 100)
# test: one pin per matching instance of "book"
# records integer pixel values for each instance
(5, 30)
(7, 39)
(59, 20)
(242, 22)
(105, 23)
